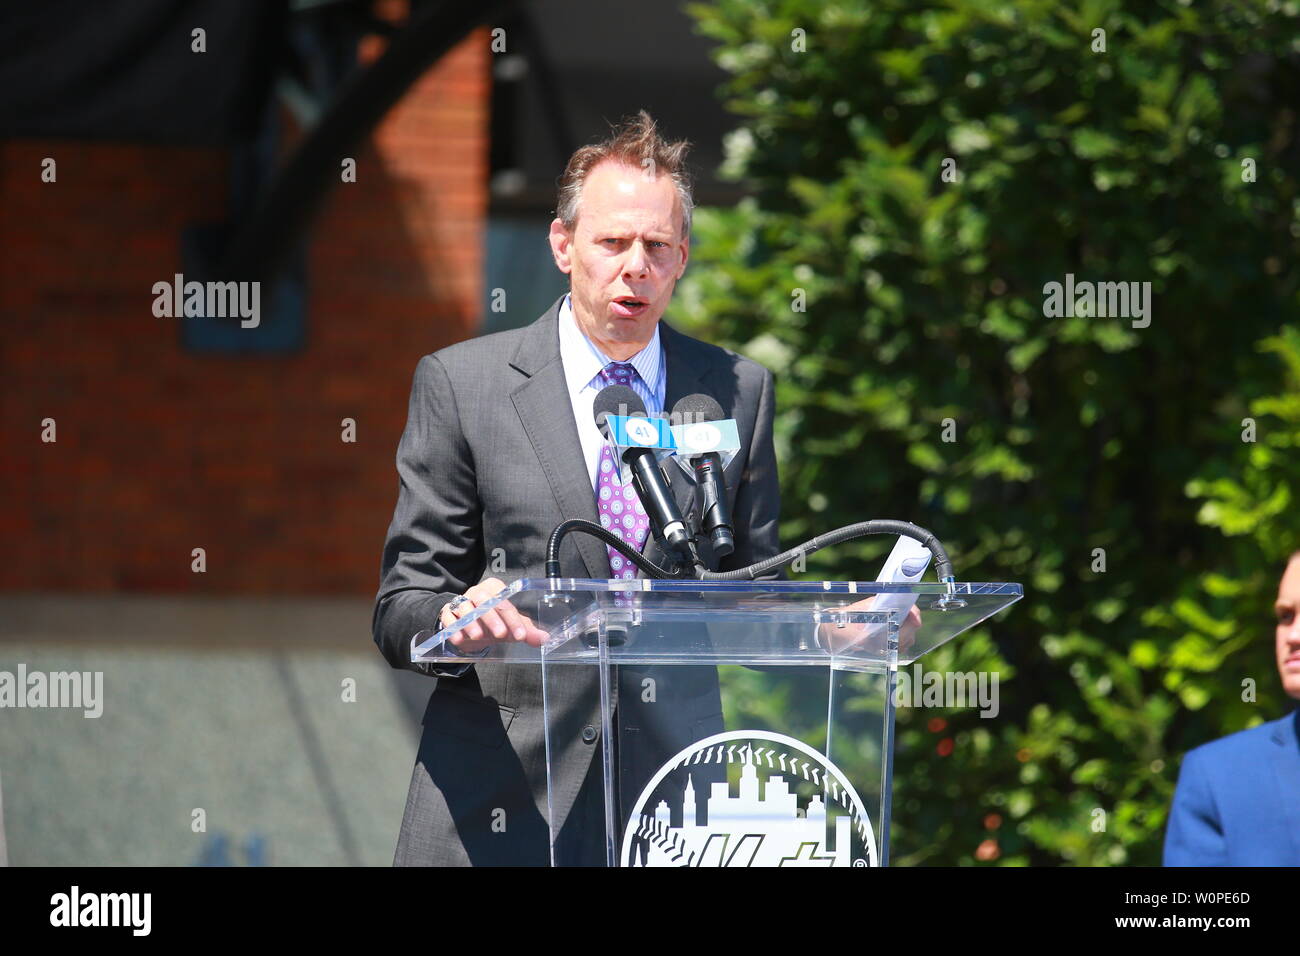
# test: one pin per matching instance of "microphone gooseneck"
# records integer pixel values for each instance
(666, 516)
(614, 541)
(942, 564)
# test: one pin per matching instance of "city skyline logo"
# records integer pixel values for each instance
(790, 806)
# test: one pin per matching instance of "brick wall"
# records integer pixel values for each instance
(159, 450)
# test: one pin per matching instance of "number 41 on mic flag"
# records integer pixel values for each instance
(700, 438)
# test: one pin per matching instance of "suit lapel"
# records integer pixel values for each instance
(687, 370)
(543, 405)
(1286, 767)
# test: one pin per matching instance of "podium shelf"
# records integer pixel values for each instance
(845, 625)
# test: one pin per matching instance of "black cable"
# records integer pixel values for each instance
(942, 565)
(611, 539)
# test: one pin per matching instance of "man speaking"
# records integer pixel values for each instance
(500, 446)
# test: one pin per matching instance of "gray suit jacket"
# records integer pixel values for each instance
(490, 459)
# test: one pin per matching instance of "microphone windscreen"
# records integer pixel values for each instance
(616, 400)
(697, 408)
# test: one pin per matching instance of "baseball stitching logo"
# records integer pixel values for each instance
(808, 814)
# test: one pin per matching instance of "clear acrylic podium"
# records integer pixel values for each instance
(741, 723)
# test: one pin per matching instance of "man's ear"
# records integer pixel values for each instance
(686, 256)
(561, 246)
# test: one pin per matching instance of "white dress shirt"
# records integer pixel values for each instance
(583, 361)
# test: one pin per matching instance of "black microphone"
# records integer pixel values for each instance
(715, 513)
(647, 479)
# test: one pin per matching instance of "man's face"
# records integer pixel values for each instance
(1288, 629)
(624, 256)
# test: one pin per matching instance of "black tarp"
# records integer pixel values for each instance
(126, 70)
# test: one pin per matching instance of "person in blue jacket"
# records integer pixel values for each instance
(1238, 798)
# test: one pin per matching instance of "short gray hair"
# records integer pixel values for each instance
(637, 143)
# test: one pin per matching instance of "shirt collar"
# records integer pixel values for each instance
(583, 361)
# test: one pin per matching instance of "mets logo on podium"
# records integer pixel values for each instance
(749, 798)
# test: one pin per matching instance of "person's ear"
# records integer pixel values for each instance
(561, 241)
(686, 255)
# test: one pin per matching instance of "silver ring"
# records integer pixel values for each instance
(454, 604)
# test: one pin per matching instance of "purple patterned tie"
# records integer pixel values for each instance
(621, 511)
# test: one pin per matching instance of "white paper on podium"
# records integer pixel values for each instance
(906, 564)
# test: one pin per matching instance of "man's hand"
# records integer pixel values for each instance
(503, 623)
(851, 636)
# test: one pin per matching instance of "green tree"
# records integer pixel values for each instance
(917, 175)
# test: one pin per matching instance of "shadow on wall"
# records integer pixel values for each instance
(158, 450)
(224, 735)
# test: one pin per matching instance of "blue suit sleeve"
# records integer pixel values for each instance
(1195, 833)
